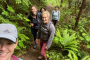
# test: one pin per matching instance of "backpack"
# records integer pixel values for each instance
(14, 57)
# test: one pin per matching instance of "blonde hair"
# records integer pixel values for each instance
(46, 12)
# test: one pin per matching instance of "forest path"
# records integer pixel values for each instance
(32, 54)
(49, 8)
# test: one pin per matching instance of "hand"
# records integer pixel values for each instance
(31, 24)
(37, 40)
(46, 48)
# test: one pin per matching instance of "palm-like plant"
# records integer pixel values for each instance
(67, 43)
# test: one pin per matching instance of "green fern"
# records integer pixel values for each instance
(72, 55)
(67, 42)
(86, 58)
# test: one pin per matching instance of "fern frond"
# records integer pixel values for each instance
(85, 58)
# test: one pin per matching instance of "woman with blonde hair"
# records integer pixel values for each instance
(45, 34)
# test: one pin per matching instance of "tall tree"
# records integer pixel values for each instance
(69, 2)
(61, 3)
(5, 4)
(79, 14)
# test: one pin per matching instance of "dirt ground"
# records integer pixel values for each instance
(32, 54)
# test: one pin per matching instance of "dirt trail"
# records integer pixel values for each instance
(49, 8)
(32, 54)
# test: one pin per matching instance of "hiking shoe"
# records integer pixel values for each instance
(40, 57)
(35, 46)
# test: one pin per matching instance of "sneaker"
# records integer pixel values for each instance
(40, 57)
(35, 46)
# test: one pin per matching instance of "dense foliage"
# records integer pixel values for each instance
(69, 43)
(16, 12)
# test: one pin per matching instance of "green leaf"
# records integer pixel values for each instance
(56, 40)
(85, 58)
(26, 19)
(67, 59)
(19, 16)
(72, 37)
(5, 13)
(21, 44)
(73, 42)
(87, 38)
(81, 30)
(58, 33)
(70, 56)
(17, 47)
(11, 9)
(88, 58)
(72, 48)
(47, 55)
(84, 34)
(23, 37)
(88, 46)
(81, 38)
(58, 57)
(18, 1)
(74, 55)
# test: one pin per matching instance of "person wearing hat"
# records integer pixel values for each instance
(8, 41)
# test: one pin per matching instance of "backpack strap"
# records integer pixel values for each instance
(58, 13)
(52, 13)
(14, 57)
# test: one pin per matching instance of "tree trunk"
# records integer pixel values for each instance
(69, 2)
(75, 9)
(5, 4)
(79, 14)
(61, 3)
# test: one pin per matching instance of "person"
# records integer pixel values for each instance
(55, 15)
(42, 9)
(35, 20)
(8, 41)
(45, 34)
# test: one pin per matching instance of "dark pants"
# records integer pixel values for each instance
(54, 22)
(34, 32)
